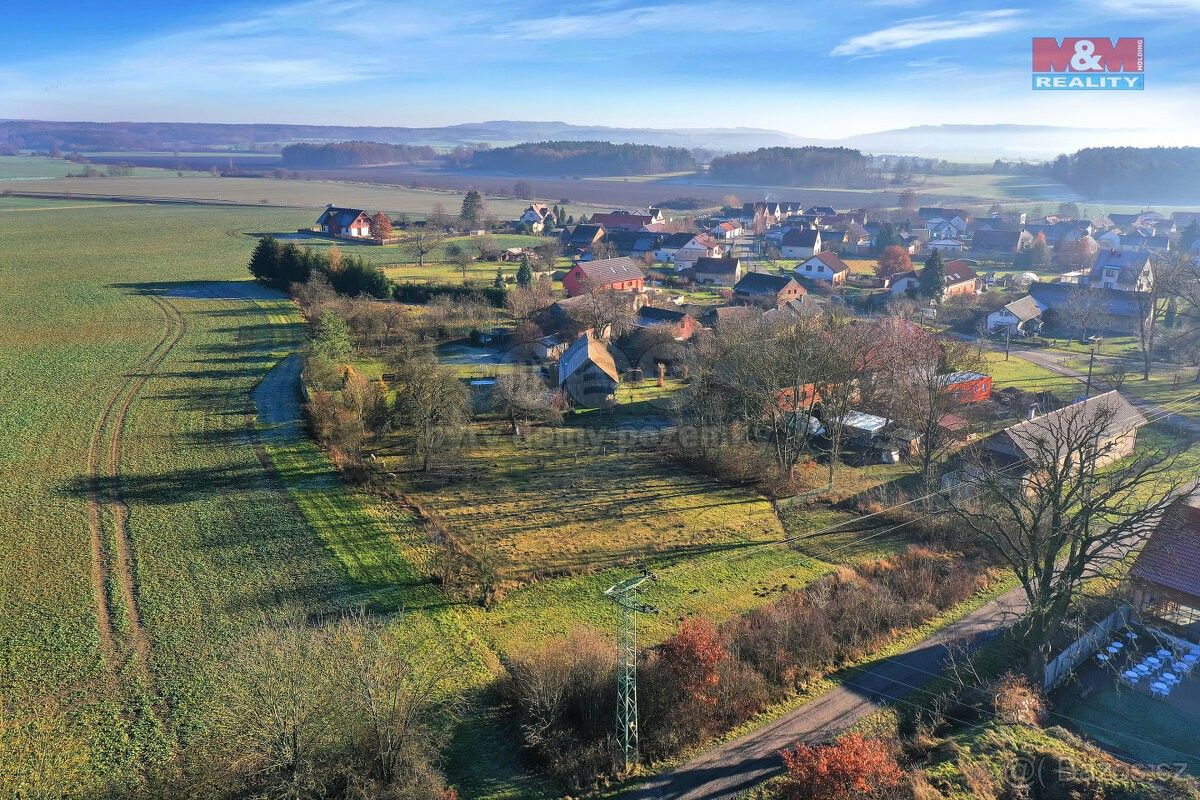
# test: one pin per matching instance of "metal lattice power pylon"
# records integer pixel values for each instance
(625, 595)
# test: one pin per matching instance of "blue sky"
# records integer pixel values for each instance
(816, 69)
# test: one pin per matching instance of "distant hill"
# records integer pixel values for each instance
(954, 142)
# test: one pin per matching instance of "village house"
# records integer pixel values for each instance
(927, 213)
(1017, 318)
(682, 249)
(346, 223)
(582, 236)
(727, 230)
(1123, 270)
(827, 267)
(1165, 577)
(537, 216)
(945, 245)
(1000, 243)
(764, 289)
(587, 372)
(723, 271)
(1019, 448)
(800, 243)
(683, 326)
(622, 220)
(1111, 310)
(619, 274)
(960, 279)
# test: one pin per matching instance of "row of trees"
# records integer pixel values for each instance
(705, 679)
(1161, 173)
(279, 265)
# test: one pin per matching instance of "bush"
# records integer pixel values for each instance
(851, 767)
(425, 292)
(562, 697)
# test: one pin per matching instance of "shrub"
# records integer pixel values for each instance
(850, 767)
(562, 695)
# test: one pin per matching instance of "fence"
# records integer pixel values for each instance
(1062, 665)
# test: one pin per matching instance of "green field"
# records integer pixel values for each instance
(312, 194)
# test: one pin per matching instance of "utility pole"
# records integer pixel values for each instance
(625, 595)
(1087, 392)
(1007, 338)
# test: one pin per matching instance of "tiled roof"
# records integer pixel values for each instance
(1171, 557)
(607, 270)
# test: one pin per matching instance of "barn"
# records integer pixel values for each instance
(587, 372)
(348, 223)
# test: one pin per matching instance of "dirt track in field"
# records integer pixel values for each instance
(115, 561)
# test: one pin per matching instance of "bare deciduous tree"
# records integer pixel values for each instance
(1066, 512)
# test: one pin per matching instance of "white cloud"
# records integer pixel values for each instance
(602, 23)
(924, 30)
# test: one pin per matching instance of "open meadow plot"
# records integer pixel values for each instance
(142, 532)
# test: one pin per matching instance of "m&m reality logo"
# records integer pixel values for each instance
(1089, 63)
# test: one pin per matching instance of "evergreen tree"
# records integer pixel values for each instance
(331, 339)
(525, 273)
(472, 207)
(264, 261)
(886, 237)
(498, 283)
(1190, 235)
(932, 280)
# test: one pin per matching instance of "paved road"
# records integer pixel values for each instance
(742, 763)
(1053, 361)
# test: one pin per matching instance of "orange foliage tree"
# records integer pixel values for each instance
(893, 261)
(692, 658)
(852, 767)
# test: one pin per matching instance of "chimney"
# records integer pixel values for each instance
(1033, 411)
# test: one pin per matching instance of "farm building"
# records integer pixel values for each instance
(619, 274)
(587, 372)
(724, 271)
(967, 387)
(1019, 446)
(348, 223)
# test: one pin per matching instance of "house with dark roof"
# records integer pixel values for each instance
(635, 244)
(1110, 310)
(347, 223)
(1165, 577)
(765, 289)
(583, 235)
(1000, 243)
(723, 271)
(619, 274)
(825, 266)
(926, 213)
(1018, 317)
(821, 211)
(800, 243)
(622, 220)
(588, 373)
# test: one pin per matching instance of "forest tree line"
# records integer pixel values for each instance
(1160, 173)
(353, 154)
(584, 158)
(793, 166)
